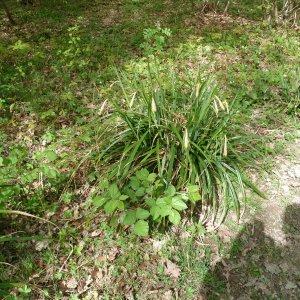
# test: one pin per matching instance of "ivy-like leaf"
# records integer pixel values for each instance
(178, 204)
(174, 217)
(129, 218)
(114, 191)
(193, 193)
(111, 206)
(142, 214)
(50, 155)
(98, 201)
(141, 228)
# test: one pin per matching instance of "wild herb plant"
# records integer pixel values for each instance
(25, 180)
(71, 56)
(145, 199)
(155, 39)
(182, 131)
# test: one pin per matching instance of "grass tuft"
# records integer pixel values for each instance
(182, 130)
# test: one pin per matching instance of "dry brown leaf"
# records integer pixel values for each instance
(113, 254)
(97, 274)
(172, 269)
(167, 295)
(40, 245)
(71, 283)
(83, 284)
(96, 232)
(158, 245)
(101, 258)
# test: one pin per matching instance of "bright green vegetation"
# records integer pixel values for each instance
(133, 126)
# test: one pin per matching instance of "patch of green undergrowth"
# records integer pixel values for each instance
(180, 129)
(155, 39)
(26, 180)
(145, 200)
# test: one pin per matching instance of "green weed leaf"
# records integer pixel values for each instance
(170, 191)
(120, 205)
(48, 171)
(150, 202)
(142, 214)
(193, 193)
(151, 178)
(50, 155)
(174, 217)
(155, 212)
(142, 174)
(98, 201)
(178, 204)
(111, 206)
(114, 191)
(140, 192)
(134, 183)
(165, 210)
(141, 228)
(123, 197)
(129, 218)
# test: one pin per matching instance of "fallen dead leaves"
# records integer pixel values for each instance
(113, 254)
(171, 269)
(71, 283)
(97, 233)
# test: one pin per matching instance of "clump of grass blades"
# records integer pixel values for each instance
(180, 129)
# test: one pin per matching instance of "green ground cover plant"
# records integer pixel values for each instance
(129, 130)
(182, 131)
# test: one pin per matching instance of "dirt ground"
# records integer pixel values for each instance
(264, 261)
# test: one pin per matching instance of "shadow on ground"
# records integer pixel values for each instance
(258, 268)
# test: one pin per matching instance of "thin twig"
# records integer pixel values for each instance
(22, 213)
(5, 263)
(63, 265)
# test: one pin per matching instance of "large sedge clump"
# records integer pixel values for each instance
(182, 131)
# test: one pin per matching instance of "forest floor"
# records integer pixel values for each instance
(269, 264)
(58, 68)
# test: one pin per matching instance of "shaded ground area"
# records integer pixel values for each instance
(264, 260)
(257, 267)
